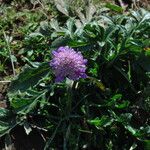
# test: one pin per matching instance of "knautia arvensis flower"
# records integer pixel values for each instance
(66, 62)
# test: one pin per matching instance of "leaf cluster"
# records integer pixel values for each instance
(109, 109)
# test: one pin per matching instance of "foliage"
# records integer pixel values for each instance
(109, 109)
(17, 21)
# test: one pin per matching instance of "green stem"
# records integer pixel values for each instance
(52, 137)
(10, 54)
(69, 103)
(69, 96)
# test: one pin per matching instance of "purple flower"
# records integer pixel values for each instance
(66, 62)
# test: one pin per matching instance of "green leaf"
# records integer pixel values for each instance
(117, 102)
(113, 100)
(29, 78)
(3, 112)
(70, 26)
(62, 7)
(143, 132)
(7, 121)
(116, 97)
(134, 145)
(45, 29)
(123, 74)
(94, 70)
(114, 7)
(5, 127)
(60, 41)
(104, 121)
(146, 144)
(125, 77)
(98, 83)
(21, 103)
(77, 43)
(25, 105)
(125, 118)
(131, 129)
(124, 104)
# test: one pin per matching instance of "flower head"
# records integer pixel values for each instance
(66, 62)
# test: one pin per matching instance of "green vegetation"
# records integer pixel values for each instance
(109, 110)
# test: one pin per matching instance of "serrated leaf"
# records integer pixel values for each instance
(5, 127)
(21, 103)
(29, 78)
(4, 112)
(7, 121)
(26, 105)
